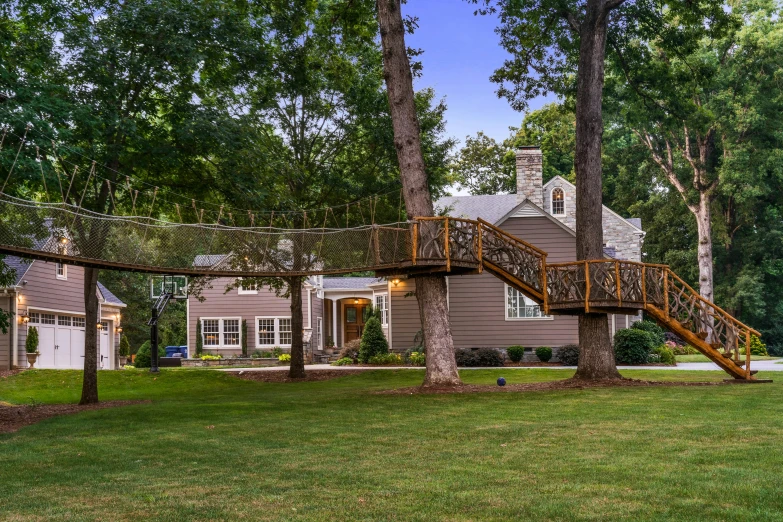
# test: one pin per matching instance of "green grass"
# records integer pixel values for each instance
(212, 447)
(703, 358)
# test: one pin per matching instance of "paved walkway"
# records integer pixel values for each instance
(763, 366)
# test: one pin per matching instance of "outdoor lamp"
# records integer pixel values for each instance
(355, 300)
(119, 329)
(25, 318)
(100, 326)
(395, 281)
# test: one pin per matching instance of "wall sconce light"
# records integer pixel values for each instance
(100, 326)
(25, 318)
(355, 300)
(64, 240)
(119, 329)
(395, 281)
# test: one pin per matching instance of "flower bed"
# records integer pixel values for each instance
(232, 361)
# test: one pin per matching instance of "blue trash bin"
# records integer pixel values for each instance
(171, 350)
(184, 351)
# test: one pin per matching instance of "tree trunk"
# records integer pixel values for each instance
(596, 357)
(431, 289)
(91, 309)
(704, 227)
(297, 370)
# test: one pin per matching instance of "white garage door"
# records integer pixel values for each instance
(61, 341)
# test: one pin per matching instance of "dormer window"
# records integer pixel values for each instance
(558, 202)
(61, 271)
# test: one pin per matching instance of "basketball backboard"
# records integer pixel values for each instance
(174, 284)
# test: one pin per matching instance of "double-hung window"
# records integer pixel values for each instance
(382, 307)
(518, 306)
(221, 332)
(558, 202)
(61, 271)
(247, 287)
(274, 331)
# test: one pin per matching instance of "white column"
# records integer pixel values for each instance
(334, 322)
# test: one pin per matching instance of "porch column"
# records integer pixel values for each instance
(334, 322)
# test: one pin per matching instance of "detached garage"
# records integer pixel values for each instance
(49, 297)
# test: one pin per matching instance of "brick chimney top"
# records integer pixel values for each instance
(530, 174)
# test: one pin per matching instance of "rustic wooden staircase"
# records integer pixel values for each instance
(598, 285)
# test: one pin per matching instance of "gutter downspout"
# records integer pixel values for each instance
(14, 308)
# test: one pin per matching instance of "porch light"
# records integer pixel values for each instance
(100, 326)
(64, 240)
(25, 318)
(395, 281)
(355, 300)
(118, 329)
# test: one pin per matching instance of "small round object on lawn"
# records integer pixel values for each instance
(501, 381)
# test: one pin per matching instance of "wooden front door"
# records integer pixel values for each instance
(355, 317)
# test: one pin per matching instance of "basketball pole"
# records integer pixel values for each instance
(154, 342)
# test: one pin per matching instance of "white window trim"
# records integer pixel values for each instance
(375, 307)
(552, 201)
(220, 334)
(277, 331)
(241, 291)
(64, 276)
(320, 330)
(505, 309)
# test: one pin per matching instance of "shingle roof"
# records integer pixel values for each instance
(637, 222)
(350, 283)
(109, 297)
(489, 208)
(18, 265)
(611, 251)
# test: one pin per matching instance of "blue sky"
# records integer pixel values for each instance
(461, 51)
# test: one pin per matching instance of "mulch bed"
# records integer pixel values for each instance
(12, 418)
(531, 364)
(566, 384)
(282, 375)
(4, 374)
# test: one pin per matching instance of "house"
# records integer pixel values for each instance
(484, 311)
(50, 296)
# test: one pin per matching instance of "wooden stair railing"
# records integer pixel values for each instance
(599, 285)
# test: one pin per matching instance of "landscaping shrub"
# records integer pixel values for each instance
(373, 341)
(485, 357)
(210, 357)
(143, 355)
(664, 354)
(633, 346)
(284, 357)
(515, 353)
(277, 351)
(385, 358)
(244, 338)
(544, 353)
(569, 354)
(650, 327)
(344, 361)
(199, 338)
(124, 346)
(681, 349)
(756, 347)
(416, 358)
(351, 350)
(31, 343)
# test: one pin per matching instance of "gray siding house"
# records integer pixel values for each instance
(484, 311)
(49, 296)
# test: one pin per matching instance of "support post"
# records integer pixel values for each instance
(617, 281)
(334, 323)
(415, 241)
(644, 285)
(377, 246)
(747, 354)
(446, 244)
(154, 342)
(480, 248)
(666, 292)
(544, 291)
(587, 287)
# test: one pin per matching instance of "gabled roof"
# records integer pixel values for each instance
(635, 223)
(108, 297)
(18, 265)
(490, 208)
(350, 283)
(529, 209)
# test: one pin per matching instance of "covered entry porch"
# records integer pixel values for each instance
(348, 302)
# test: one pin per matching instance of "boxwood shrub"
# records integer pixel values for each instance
(653, 329)
(544, 353)
(143, 356)
(569, 354)
(665, 355)
(515, 353)
(633, 346)
(481, 357)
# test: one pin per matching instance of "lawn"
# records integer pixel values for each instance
(212, 447)
(697, 357)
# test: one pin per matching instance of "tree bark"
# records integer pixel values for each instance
(596, 357)
(91, 310)
(704, 227)
(297, 369)
(430, 289)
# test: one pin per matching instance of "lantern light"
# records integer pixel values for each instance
(395, 281)
(25, 318)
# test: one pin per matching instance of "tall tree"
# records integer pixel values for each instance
(547, 39)
(430, 289)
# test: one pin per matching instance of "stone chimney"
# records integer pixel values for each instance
(530, 175)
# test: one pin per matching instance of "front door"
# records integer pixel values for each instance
(103, 353)
(355, 317)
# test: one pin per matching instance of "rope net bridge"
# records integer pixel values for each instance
(61, 232)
